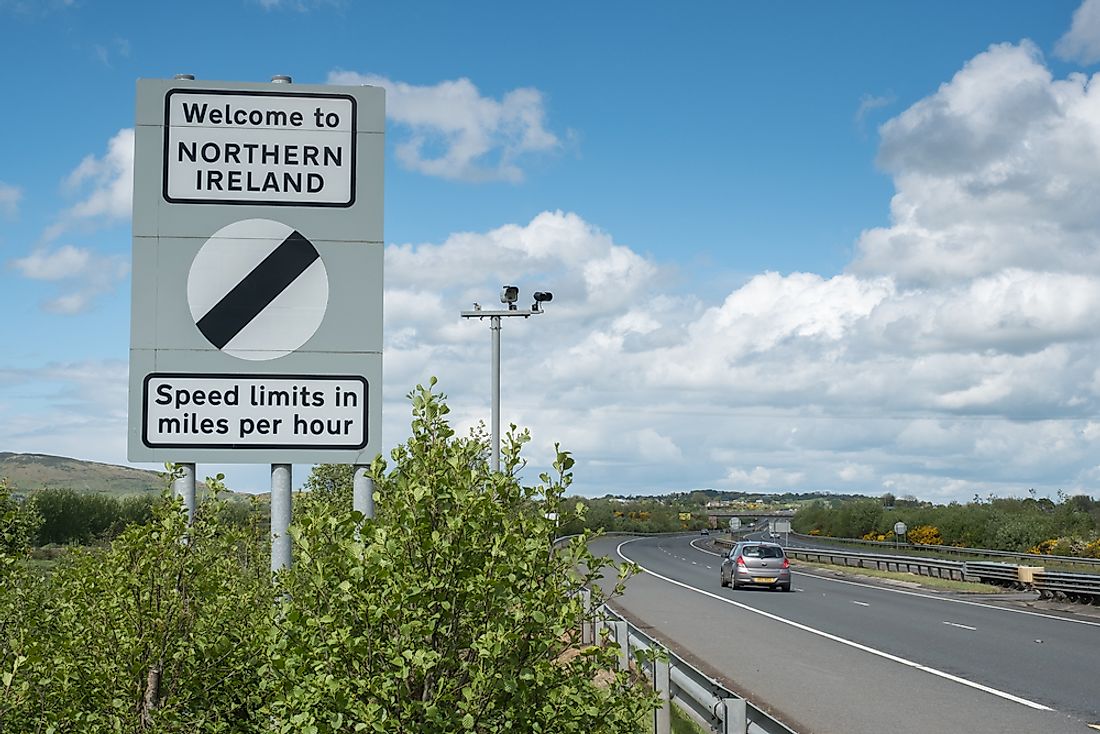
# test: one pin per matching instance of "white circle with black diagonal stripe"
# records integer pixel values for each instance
(257, 289)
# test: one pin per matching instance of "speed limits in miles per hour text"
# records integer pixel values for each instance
(255, 411)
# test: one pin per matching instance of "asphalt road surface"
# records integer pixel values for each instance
(842, 656)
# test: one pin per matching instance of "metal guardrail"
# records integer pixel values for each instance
(1076, 587)
(911, 564)
(1001, 574)
(704, 699)
(1031, 558)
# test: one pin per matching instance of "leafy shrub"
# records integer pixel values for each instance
(449, 612)
(924, 535)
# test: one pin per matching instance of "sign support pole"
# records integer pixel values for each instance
(280, 517)
(362, 492)
(184, 487)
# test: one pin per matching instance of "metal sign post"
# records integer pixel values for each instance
(256, 311)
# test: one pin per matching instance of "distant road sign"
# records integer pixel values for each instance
(900, 529)
(735, 523)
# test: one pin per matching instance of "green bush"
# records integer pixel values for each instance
(448, 613)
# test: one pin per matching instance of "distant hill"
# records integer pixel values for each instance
(28, 473)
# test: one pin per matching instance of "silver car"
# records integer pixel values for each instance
(753, 563)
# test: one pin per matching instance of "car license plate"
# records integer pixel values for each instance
(764, 581)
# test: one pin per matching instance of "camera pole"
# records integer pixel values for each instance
(494, 329)
(509, 294)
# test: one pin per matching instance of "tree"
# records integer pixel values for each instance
(450, 612)
(161, 631)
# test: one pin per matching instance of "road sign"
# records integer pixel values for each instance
(276, 148)
(257, 289)
(735, 523)
(256, 322)
(781, 526)
(900, 529)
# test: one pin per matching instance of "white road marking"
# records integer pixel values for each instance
(929, 596)
(835, 638)
(861, 603)
(961, 626)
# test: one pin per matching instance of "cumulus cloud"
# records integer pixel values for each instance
(1082, 41)
(9, 199)
(995, 169)
(791, 381)
(103, 187)
(81, 274)
(957, 355)
(452, 131)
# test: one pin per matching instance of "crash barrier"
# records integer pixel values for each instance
(921, 566)
(704, 699)
(910, 564)
(1033, 558)
(1077, 587)
(999, 574)
(1083, 588)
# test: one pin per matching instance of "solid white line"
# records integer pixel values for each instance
(834, 638)
(861, 603)
(961, 626)
(982, 605)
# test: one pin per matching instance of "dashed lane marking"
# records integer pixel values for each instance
(1028, 612)
(961, 626)
(840, 640)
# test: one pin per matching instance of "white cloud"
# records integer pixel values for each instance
(104, 184)
(869, 103)
(63, 262)
(996, 169)
(455, 132)
(9, 199)
(82, 275)
(104, 187)
(957, 355)
(1082, 41)
(763, 478)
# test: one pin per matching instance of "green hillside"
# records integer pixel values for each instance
(28, 473)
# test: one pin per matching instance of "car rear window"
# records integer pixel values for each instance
(762, 551)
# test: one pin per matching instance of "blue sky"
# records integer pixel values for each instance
(708, 188)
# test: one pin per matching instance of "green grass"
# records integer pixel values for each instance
(926, 581)
(681, 724)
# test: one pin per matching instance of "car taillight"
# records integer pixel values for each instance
(786, 563)
(741, 562)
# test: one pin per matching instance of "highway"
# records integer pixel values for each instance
(837, 656)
